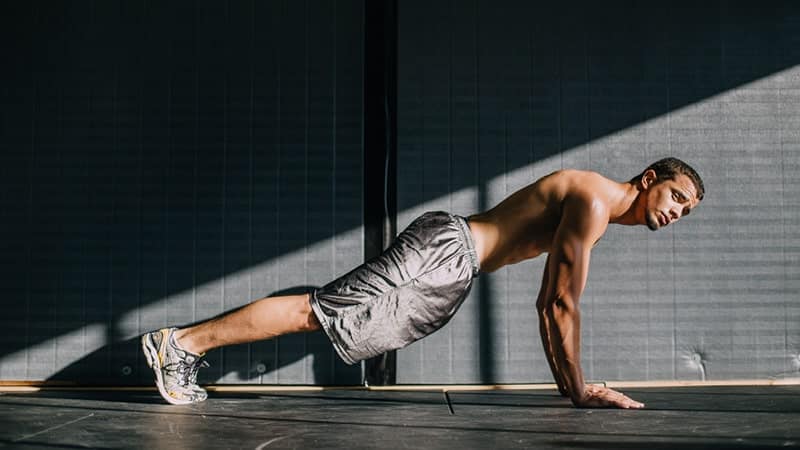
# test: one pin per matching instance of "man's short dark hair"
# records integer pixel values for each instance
(669, 168)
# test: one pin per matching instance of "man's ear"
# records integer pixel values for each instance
(648, 179)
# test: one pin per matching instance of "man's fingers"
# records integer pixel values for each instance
(605, 397)
(623, 401)
(627, 402)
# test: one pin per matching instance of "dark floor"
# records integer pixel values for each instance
(707, 417)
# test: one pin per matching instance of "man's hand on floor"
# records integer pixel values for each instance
(596, 396)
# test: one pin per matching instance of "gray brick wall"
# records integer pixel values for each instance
(493, 95)
(163, 162)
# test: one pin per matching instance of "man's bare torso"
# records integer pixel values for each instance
(523, 225)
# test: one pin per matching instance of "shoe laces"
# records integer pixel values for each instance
(200, 363)
(185, 372)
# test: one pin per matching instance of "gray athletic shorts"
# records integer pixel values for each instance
(406, 293)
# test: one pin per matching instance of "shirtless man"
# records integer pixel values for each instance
(418, 283)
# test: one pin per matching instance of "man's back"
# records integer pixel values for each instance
(523, 225)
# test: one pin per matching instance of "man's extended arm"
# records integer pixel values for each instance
(544, 331)
(583, 221)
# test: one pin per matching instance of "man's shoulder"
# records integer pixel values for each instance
(581, 188)
(575, 179)
(589, 193)
(584, 185)
(581, 175)
(585, 215)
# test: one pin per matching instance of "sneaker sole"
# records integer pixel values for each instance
(151, 355)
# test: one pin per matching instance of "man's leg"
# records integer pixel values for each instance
(176, 355)
(263, 319)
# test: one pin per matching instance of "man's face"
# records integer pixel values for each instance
(669, 200)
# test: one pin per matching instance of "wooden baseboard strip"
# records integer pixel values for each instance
(35, 386)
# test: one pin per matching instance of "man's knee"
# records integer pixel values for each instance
(309, 321)
(312, 322)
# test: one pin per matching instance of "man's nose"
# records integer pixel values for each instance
(675, 213)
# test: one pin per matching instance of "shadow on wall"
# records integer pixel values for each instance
(150, 148)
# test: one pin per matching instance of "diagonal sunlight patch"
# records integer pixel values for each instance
(753, 118)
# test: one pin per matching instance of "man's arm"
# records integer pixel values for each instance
(583, 221)
(544, 331)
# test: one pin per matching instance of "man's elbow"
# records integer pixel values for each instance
(561, 306)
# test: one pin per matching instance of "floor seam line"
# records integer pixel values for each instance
(52, 428)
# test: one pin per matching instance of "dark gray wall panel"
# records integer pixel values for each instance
(162, 163)
(493, 95)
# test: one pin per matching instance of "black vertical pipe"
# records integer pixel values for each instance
(380, 131)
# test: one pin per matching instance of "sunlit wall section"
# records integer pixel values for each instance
(494, 95)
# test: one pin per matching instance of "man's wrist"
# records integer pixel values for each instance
(579, 395)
